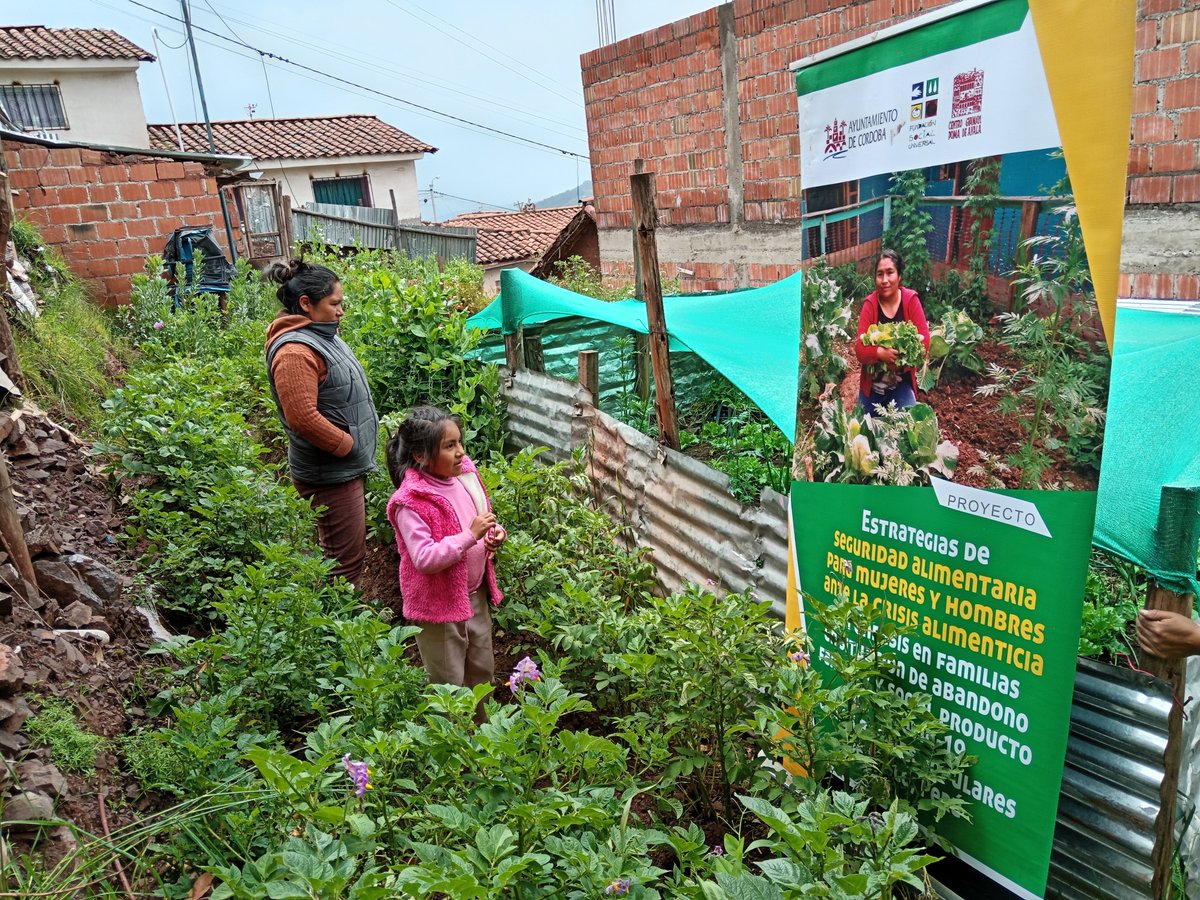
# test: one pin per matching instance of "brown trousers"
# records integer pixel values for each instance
(342, 527)
(461, 652)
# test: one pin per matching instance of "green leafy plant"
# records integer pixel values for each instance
(1061, 386)
(953, 342)
(1112, 596)
(72, 747)
(909, 226)
(899, 446)
(902, 337)
(825, 322)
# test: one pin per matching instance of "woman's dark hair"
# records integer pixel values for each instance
(418, 435)
(298, 279)
(894, 257)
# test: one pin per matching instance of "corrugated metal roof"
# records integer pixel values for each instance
(39, 42)
(361, 226)
(313, 137)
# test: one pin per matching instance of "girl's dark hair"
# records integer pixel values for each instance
(298, 279)
(894, 257)
(418, 435)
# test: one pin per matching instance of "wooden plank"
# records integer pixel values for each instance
(514, 354)
(589, 373)
(645, 215)
(534, 359)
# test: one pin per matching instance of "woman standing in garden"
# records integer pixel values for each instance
(446, 534)
(325, 404)
(882, 381)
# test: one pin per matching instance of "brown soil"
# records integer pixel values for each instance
(984, 436)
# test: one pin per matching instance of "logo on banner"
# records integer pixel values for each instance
(966, 105)
(923, 109)
(835, 139)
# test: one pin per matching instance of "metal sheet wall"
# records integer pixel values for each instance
(677, 506)
(374, 228)
(1104, 835)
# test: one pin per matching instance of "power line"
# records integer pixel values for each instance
(469, 200)
(499, 62)
(362, 87)
(377, 64)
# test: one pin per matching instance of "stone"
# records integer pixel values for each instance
(13, 714)
(12, 673)
(25, 807)
(57, 579)
(77, 615)
(43, 777)
(43, 540)
(11, 744)
(99, 577)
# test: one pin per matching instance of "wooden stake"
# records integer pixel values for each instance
(641, 342)
(1172, 670)
(514, 354)
(10, 525)
(645, 216)
(589, 373)
(534, 359)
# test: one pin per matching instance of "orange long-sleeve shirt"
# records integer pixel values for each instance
(298, 372)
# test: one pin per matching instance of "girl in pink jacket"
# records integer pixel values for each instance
(446, 534)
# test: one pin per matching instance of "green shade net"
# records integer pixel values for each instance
(751, 337)
(1148, 444)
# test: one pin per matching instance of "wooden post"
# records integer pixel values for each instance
(534, 359)
(641, 342)
(514, 354)
(1178, 529)
(287, 235)
(1172, 670)
(645, 216)
(10, 526)
(589, 373)
(12, 365)
(395, 219)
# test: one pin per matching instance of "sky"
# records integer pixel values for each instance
(504, 65)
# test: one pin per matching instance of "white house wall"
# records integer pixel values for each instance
(102, 101)
(399, 175)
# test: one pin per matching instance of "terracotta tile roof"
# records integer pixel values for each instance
(511, 236)
(36, 42)
(316, 137)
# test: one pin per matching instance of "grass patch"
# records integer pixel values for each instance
(72, 748)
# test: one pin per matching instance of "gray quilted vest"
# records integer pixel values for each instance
(343, 398)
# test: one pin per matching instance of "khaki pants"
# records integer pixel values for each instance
(460, 652)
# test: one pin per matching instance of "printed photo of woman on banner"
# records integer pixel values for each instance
(961, 238)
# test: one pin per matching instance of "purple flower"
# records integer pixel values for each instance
(717, 850)
(798, 656)
(526, 670)
(618, 887)
(359, 774)
(160, 325)
(711, 583)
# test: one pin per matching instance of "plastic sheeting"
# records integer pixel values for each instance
(751, 337)
(1148, 443)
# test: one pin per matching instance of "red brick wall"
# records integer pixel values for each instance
(659, 96)
(106, 212)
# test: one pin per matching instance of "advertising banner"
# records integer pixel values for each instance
(953, 460)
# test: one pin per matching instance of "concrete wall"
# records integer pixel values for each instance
(709, 104)
(400, 175)
(106, 212)
(101, 98)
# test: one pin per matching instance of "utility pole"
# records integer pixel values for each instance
(212, 146)
(432, 200)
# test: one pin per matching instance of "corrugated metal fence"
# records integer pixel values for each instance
(679, 507)
(378, 229)
(683, 510)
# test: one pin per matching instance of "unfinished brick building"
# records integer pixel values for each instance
(709, 104)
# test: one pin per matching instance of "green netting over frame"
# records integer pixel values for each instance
(751, 337)
(1148, 444)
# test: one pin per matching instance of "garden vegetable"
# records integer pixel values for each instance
(900, 336)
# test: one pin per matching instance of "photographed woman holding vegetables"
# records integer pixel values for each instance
(893, 338)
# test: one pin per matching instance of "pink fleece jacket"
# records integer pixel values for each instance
(442, 595)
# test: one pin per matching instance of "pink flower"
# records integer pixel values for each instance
(159, 325)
